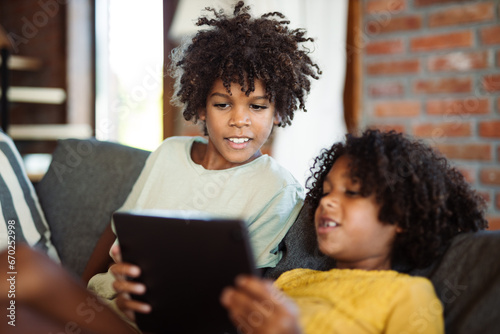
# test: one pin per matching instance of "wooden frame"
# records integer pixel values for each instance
(169, 111)
(353, 95)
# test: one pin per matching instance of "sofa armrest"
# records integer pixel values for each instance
(86, 182)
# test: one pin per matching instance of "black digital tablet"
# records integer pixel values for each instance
(186, 260)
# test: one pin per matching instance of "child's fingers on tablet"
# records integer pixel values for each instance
(129, 287)
(136, 306)
(252, 315)
(241, 303)
(129, 306)
(121, 303)
(238, 303)
(116, 253)
(259, 288)
(125, 269)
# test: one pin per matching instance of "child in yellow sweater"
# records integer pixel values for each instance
(377, 199)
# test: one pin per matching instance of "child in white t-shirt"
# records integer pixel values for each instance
(240, 77)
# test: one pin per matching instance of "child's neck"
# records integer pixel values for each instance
(198, 151)
(369, 264)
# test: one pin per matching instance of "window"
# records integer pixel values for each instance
(129, 72)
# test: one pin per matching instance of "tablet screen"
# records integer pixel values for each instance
(186, 260)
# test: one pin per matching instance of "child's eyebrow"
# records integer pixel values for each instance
(348, 176)
(228, 96)
(220, 94)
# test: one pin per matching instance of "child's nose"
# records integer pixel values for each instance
(239, 117)
(329, 201)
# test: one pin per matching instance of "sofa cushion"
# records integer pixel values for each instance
(86, 182)
(466, 280)
(19, 205)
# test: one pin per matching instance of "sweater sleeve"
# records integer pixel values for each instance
(416, 309)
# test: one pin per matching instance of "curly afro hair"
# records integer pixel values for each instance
(241, 49)
(416, 187)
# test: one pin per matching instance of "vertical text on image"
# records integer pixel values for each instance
(11, 272)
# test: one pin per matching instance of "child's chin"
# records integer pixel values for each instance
(241, 159)
(322, 248)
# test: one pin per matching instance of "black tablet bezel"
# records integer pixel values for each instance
(186, 260)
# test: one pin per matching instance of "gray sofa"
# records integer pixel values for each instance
(89, 179)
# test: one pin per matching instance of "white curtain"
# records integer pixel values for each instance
(326, 21)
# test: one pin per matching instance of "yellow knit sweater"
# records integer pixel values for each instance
(359, 301)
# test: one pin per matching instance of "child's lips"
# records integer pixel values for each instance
(238, 143)
(326, 224)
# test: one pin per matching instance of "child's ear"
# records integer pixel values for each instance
(399, 229)
(202, 114)
(277, 118)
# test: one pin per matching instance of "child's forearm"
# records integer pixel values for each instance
(100, 260)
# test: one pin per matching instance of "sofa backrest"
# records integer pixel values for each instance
(86, 182)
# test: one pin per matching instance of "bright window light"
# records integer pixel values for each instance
(129, 66)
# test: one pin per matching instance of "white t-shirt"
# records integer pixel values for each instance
(261, 192)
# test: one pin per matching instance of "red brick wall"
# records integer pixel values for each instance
(432, 69)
